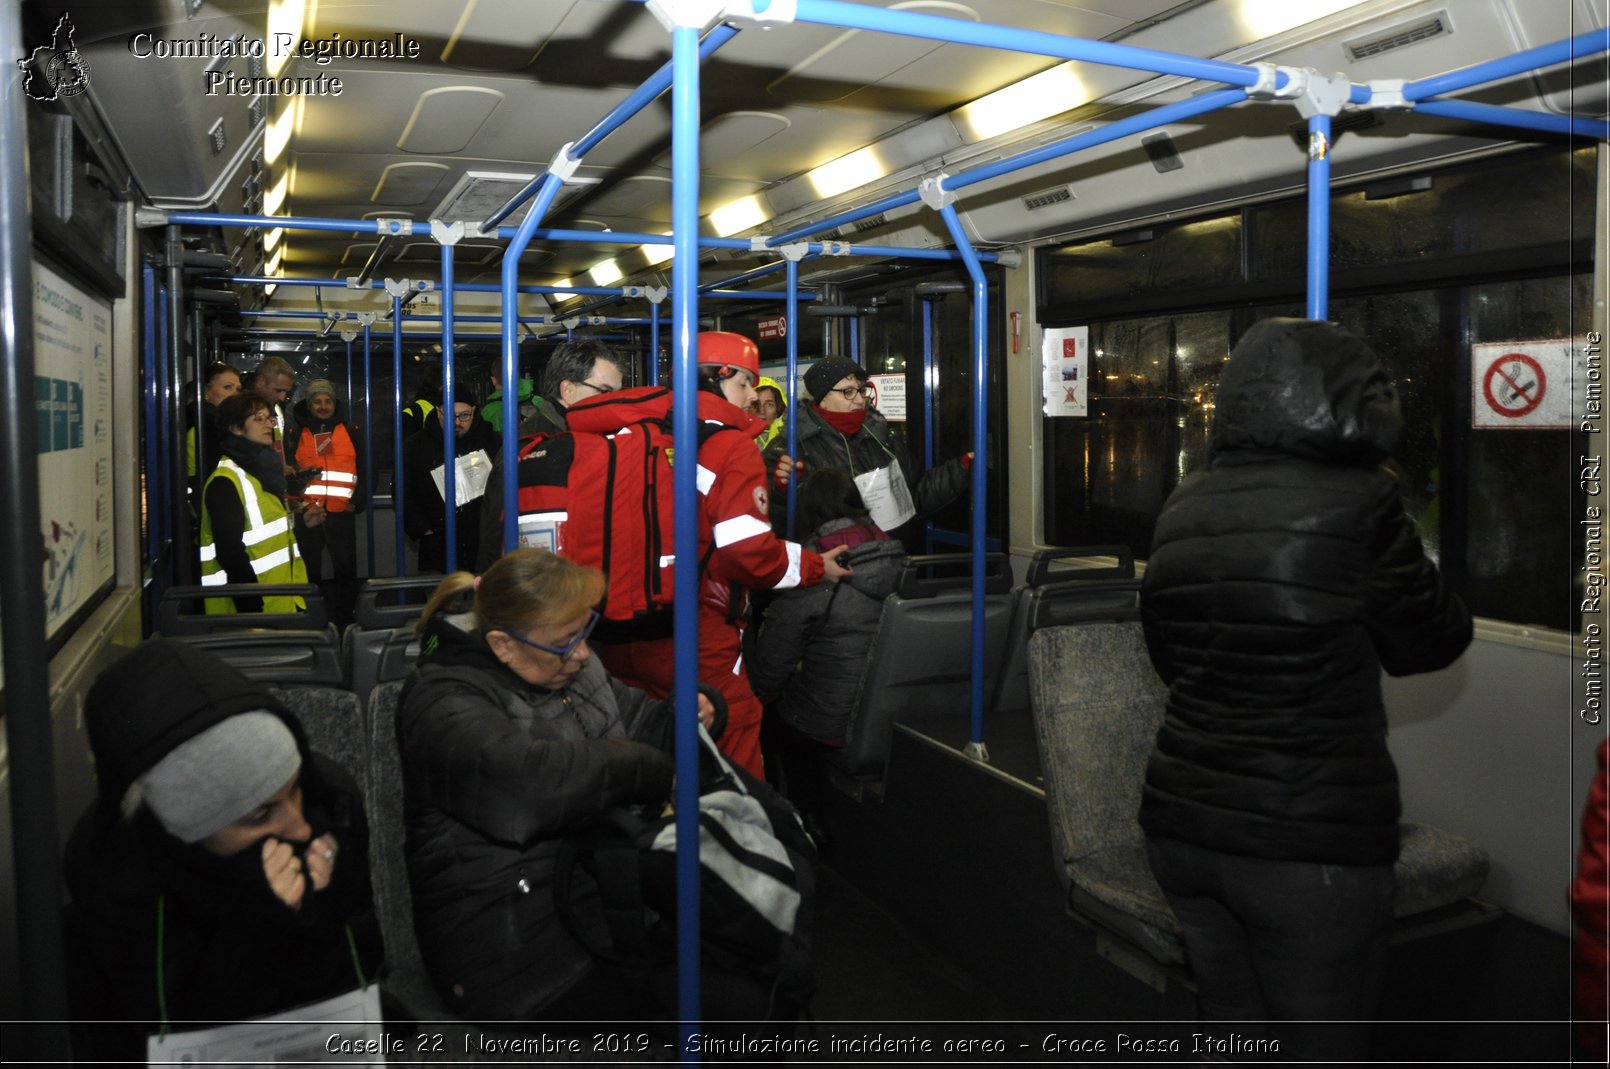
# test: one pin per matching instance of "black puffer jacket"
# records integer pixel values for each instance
(1281, 581)
(231, 949)
(495, 773)
(814, 641)
(874, 446)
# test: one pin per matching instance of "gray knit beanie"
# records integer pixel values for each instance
(213, 779)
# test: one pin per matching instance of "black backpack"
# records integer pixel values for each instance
(756, 901)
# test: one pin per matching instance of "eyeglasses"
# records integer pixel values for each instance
(568, 650)
(595, 387)
(850, 393)
(463, 417)
(260, 416)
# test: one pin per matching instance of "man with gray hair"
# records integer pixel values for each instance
(577, 369)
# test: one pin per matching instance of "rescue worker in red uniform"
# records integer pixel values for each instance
(324, 446)
(735, 535)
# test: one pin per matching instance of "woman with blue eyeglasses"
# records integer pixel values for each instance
(512, 737)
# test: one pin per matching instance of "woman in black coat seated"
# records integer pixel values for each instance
(1282, 580)
(222, 872)
(512, 736)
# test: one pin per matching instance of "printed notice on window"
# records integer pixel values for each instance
(1065, 359)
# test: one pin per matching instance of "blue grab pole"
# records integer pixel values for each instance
(791, 322)
(153, 456)
(510, 279)
(1497, 115)
(450, 417)
(369, 453)
(1319, 147)
(928, 429)
(1579, 47)
(854, 327)
(685, 433)
(975, 271)
(396, 428)
(654, 344)
(959, 31)
(645, 94)
(350, 413)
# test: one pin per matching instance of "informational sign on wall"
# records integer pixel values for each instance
(889, 396)
(1065, 361)
(1524, 385)
(73, 404)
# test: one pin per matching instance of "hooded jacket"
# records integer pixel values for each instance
(1282, 580)
(813, 645)
(872, 447)
(496, 772)
(231, 949)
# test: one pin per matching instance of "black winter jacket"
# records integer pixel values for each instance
(813, 645)
(1281, 581)
(874, 446)
(231, 949)
(423, 507)
(495, 773)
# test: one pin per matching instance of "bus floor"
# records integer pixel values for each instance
(941, 903)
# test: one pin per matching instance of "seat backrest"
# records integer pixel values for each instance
(921, 659)
(388, 868)
(183, 609)
(335, 727)
(381, 644)
(1065, 601)
(1097, 706)
(303, 658)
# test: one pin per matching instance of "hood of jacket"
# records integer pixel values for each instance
(1305, 388)
(303, 416)
(876, 559)
(159, 695)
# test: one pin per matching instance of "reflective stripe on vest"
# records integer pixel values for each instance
(332, 490)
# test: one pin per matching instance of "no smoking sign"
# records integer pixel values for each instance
(1521, 385)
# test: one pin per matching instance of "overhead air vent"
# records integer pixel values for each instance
(872, 223)
(1047, 197)
(255, 112)
(1436, 24)
(216, 137)
(480, 193)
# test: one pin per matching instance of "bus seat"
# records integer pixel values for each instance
(309, 658)
(182, 609)
(1097, 705)
(920, 661)
(1061, 587)
(405, 979)
(381, 645)
(333, 722)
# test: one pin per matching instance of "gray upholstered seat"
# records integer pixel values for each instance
(1097, 705)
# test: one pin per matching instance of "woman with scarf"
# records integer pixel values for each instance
(246, 530)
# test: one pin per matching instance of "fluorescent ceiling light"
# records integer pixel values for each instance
(273, 265)
(274, 196)
(741, 214)
(272, 238)
(857, 169)
(278, 133)
(654, 255)
(284, 17)
(268, 290)
(606, 273)
(560, 294)
(1265, 18)
(1038, 97)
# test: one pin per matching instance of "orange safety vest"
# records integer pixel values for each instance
(334, 452)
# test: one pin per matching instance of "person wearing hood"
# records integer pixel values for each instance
(424, 505)
(513, 736)
(246, 530)
(222, 871)
(1283, 578)
(840, 429)
(524, 397)
(736, 545)
(324, 446)
(772, 407)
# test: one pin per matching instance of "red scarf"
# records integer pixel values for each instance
(846, 423)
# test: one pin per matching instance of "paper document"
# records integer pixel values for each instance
(474, 469)
(346, 1029)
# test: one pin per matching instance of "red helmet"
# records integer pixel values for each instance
(729, 350)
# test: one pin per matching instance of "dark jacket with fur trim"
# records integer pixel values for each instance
(495, 773)
(230, 948)
(813, 645)
(1281, 581)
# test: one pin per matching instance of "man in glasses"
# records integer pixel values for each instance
(424, 507)
(576, 370)
(841, 429)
